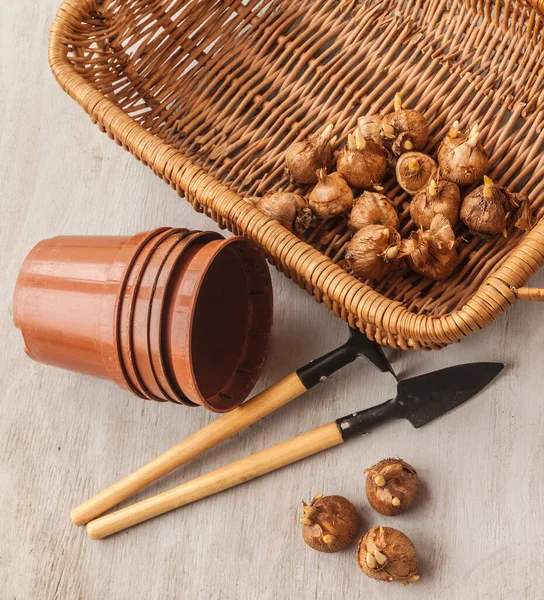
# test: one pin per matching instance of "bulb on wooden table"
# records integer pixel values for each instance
(386, 554)
(329, 523)
(391, 486)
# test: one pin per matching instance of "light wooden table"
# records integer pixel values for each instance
(479, 519)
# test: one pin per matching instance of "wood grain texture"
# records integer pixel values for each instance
(478, 520)
(230, 475)
(216, 432)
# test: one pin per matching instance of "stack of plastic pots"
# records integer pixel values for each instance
(169, 314)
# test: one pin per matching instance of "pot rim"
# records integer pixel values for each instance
(110, 345)
(157, 349)
(209, 253)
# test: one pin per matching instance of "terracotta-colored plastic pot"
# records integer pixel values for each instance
(143, 265)
(142, 298)
(59, 296)
(167, 314)
(118, 274)
(155, 343)
(146, 350)
(218, 321)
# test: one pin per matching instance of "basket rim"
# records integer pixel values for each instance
(493, 297)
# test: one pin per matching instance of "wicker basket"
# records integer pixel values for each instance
(209, 93)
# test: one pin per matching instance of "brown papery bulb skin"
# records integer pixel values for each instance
(521, 202)
(404, 130)
(370, 126)
(363, 163)
(440, 197)
(305, 157)
(329, 523)
(290, 210)
(372, 252)
(485, 211)
(386, 554)
(462, 157)
(414, 170)
(373, 208)
(331, 196)
(391, 486)
(432, 252)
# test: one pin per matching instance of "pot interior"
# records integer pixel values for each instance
(220, 326)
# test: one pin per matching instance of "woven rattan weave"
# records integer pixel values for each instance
(209, 93)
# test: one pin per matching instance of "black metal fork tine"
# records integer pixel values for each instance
(356, 345)
(372, 351)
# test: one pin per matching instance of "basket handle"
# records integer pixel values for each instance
(529, 294)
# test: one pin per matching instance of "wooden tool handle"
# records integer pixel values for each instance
(213, 434)
(222, 479)
(530, 294)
